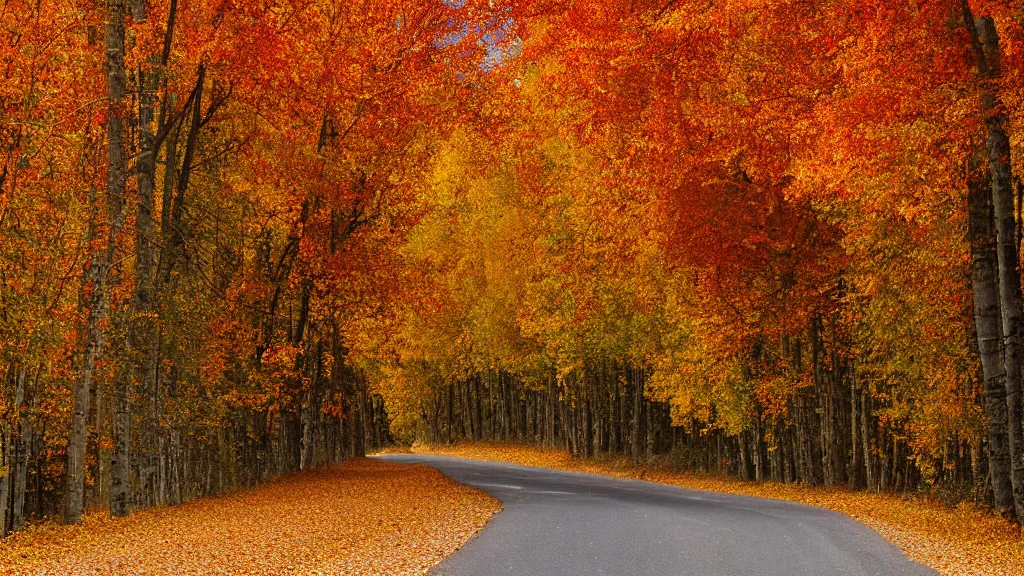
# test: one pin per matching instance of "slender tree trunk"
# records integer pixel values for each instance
(587, 439)
(360, 423)
(465, 409)
(310, 411)
(563, 419)
(451, 408)
(855, 448)
(989, 333)
(865, 436)
(120, 489)
(638, 399)
(549, 407)
(1001, 175)
(490, 404)
(649, 429)
(478, 429)
(91, 343)
(94, 280)
(7, 478)
(23, 448)
(744, 457)
(979, 467)
(6, 456)
(141, 336)
(506, 405)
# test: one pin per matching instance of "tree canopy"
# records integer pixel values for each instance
(777, 238)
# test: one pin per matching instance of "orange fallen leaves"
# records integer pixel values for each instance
(965, 541)
(360, 517)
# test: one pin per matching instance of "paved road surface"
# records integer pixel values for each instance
(566, 524)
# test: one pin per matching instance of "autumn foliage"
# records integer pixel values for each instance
(779, 239)
(738, 231)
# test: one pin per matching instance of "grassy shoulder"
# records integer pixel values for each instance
(964, 541)
(360, 517)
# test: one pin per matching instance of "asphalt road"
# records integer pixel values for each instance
(567, 524)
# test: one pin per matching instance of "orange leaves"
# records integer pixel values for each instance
(362, 517)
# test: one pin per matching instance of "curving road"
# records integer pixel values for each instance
(568, 524)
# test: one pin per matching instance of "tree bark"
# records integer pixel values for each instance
(142, 336)
(865, 436)
(21, 461)
(120, 489)
(478, 429)
(451, 407)
(94, 280)
(1001, 175)
(636, 445)
(6, 456)
(985, 43)
(989, 332)
(855, 448)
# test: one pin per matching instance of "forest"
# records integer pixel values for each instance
(773, 239)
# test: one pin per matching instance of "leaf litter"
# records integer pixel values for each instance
(362, 517)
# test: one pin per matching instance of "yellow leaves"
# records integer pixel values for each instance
(964, 541)
(362, 517)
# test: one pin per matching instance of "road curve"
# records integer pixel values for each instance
(568, 524)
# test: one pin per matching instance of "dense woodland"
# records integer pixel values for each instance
(775, 239)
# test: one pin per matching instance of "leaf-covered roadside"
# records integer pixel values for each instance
(360, 517)
(964, 541)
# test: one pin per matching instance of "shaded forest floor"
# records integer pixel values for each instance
(962, 541)
(360, 517)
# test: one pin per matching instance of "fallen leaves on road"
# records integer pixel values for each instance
(965, 541)
(360, 517)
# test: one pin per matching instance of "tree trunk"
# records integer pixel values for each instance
(855, 448)
(451, 407)
(6, 479)
(360, 420)
(466, 412)
(588, 429)
(23, 448)
(490, 404)
(616, 413)
(120, 489)
(989, 333)
(141, 335)
(636, 445)
(478, 428)
(744, 458)
(865, 436)
(310, 411)
(549, 416)
(94, 280)
(1001, 175)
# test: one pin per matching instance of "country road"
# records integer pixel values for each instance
(567, 524)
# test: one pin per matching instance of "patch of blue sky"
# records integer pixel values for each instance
(495, 35)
